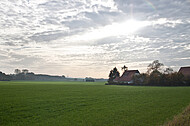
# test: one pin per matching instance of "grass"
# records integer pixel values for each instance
(88, 104)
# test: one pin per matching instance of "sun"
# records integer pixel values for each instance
(121, 28)
(115, 29)
(127, 27)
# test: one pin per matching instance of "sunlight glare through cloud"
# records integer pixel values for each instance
(115, 29)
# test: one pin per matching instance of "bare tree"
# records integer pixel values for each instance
(154, 66)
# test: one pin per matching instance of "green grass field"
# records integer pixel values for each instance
(88, 104)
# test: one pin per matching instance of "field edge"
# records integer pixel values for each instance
(183, 119)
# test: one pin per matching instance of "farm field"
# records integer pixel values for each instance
(88, 104)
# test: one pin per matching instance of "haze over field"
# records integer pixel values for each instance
(80, 38)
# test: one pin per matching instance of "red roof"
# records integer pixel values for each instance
(116, 79)
(127, 76)
(185, 71)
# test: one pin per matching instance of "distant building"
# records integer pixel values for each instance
(127, 76)
(185, 71)
(89, 79)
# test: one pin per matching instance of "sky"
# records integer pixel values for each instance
(87, 38)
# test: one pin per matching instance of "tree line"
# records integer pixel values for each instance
(26, 75)
(4, 77)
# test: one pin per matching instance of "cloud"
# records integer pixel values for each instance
(85, 35)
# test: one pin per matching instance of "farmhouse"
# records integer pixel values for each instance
(185, 71)
(127, 76)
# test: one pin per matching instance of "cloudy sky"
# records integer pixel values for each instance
(80, 38)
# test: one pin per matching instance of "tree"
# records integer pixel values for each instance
(155, 77)
(140, 79)
(17, 71)
(154, 66)
(124, 68)
(113, 74)
(30, 76)
(25, 71)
